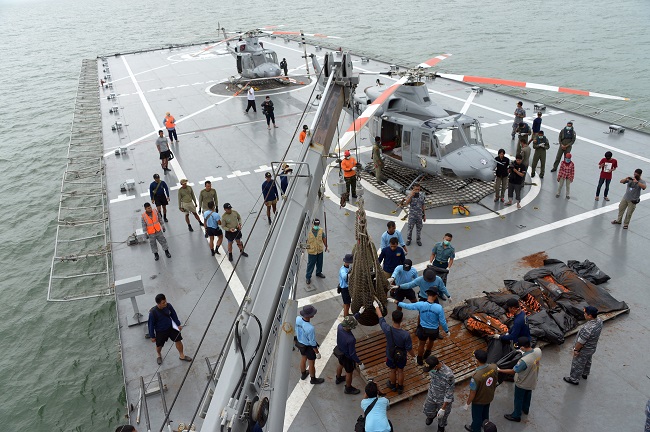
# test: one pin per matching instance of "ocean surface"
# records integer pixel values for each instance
(60, 367)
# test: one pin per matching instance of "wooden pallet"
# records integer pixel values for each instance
(455, 351)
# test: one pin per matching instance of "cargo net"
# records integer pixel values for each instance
(81, 263)
(366, 279)
(440, 191)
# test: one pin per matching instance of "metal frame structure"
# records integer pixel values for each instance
(81, 249)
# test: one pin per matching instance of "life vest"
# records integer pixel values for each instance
(170, 122)
(153, 223)
(315, 243)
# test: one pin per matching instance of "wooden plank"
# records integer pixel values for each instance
(456, 351)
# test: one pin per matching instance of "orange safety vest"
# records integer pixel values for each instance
(153, 225)
(170, 122)
(303, 135)
(347, 165)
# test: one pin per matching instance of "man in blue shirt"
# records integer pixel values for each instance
(164, 324)
(427, 281)
(348, 358)
(519, 325)
(391, 232)
(432, 317)
(391, 257)
(343, 287)
(270, 194)
(159, 194)
(306, 343)
(403, 274)
(398, 343)
(537, 126)
(212, 221)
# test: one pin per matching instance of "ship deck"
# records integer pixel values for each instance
(219, 142)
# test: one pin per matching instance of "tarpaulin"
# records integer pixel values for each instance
(500, 297)
(520, 287)
(573, 304)
(589, 271)
(543, 326)
(482, 304)
(496, 349)
(594, 295)
(565, 321)
(462, 312)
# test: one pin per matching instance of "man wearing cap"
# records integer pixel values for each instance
(343, 287)
(316, 245)
(349, 167)
(284, 67)
(443, 254)
(441, 392)
(303, 134)
(284, 178)
(306, 343)
(632, 196)
(402, 275)
(231, 223)
(585, 346)
(377, 160)
(163, 150)
(428, 280)
(348, 358)
(208, 195)
(525, 372)
(391, 232)
(567, 138)
(540, 145)
(159, 194)
(519, 325)
(565, 176)
(432, 316)
(481, 391)
(270, 194)
(154, 227)
(398, 343)
(170, 124)
(391, 256)
(415, 201)
(187, 203)
(520, 114)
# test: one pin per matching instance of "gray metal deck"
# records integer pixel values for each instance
(218, 141)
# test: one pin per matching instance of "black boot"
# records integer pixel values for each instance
(156, 256)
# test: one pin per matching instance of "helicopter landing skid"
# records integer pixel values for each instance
(467, 183)
(417, 180)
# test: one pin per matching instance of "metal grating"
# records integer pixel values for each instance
(440, 191)
(81, 261)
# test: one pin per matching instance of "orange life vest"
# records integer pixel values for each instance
(170, 122)
(302, 137)
(347, 165)
(153, 224)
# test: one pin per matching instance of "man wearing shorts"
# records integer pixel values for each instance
(432, 316)
(403, 274)
(348, 358)
(208, 195)
(163, 325)
(428, 280)
(306, 343)
(270, 194)
(212, 229)
(231, 223)
(397, 339)
(187, 203)
(159, 193)
(163, 149)
(343, 287)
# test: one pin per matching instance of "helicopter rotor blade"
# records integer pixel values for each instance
(511, 83)
(297, 33)
(215, 45)
(361, 121)
(434, 61)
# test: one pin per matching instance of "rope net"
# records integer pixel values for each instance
(363, 284)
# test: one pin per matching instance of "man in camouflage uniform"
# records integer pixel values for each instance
(441, 392)
(585, 346)
(567, 138)
(415, 201)
(540, 144)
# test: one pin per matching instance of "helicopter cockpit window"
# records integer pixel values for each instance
(425, 144)
(450, 139)
(259, 59)
(473, 134)
(271, 57)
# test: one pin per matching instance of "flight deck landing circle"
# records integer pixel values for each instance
(266, 87)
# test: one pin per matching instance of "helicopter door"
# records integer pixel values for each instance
(425, 150)
(239, 67)
(406, 146)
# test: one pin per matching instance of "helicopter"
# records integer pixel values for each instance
(418, 134)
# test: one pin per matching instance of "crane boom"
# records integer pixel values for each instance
(243, 373)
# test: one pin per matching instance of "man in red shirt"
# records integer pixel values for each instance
(607, 166)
